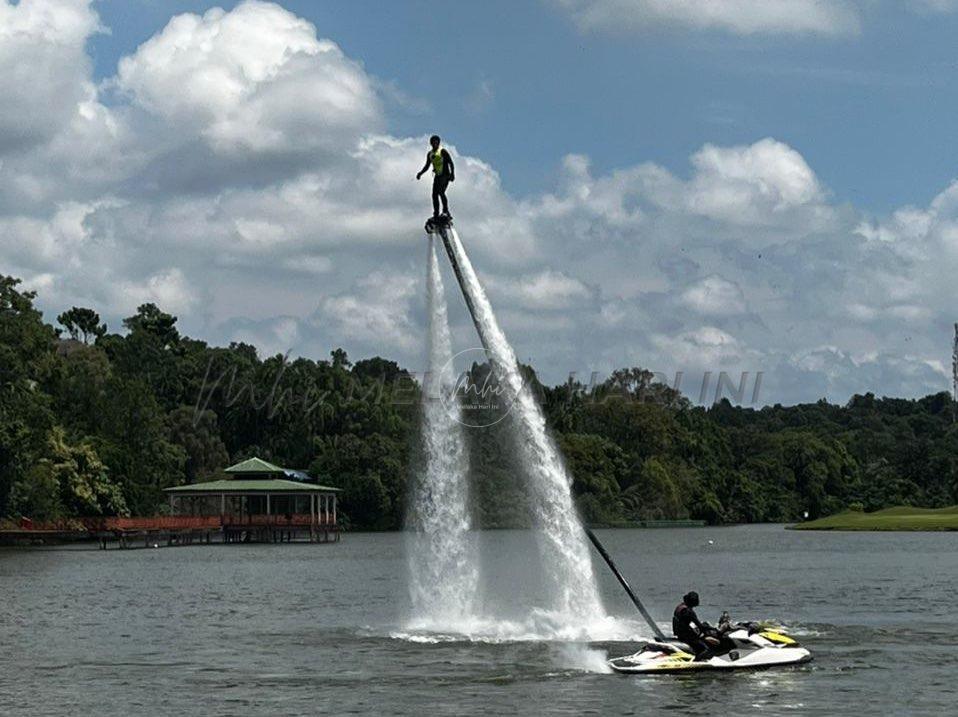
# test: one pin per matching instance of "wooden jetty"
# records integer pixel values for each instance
(257, 503)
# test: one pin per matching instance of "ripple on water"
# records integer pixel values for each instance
(277, 629)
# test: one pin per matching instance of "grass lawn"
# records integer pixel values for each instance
(899, 518)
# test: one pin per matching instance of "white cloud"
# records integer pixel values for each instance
(547, 290)
(771, 264)
(705, 347)
(936, 5)
(763, 183)
(45, 68)
(57, 141)
(881, 373)
(256, 78)
(169, 289)
(714, 296)
(272, 337)
(375, 312)
(191, 189)
(745, 17)
(309, 264)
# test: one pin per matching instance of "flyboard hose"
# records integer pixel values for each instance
(444, 233)
(622, 581)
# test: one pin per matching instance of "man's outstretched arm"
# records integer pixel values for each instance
(425, 167)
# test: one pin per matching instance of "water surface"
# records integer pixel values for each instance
(323, 629)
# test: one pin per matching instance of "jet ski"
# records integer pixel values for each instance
(744, 645)
(435, 225)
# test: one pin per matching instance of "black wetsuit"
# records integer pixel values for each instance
(683, 620)
(440, 181)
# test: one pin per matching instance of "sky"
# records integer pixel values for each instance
(689, 186)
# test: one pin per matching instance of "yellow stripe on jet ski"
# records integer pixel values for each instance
(680, 665)
(778, 637)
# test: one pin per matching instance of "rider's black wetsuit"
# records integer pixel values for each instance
(683, 620)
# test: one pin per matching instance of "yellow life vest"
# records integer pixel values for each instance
(437, 163)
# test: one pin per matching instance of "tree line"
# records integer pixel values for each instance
(94, 422)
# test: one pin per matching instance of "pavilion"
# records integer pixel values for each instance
(262, 502)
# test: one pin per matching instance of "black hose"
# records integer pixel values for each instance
(443, 232)
(615, 571)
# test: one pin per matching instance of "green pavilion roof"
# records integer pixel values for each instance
(238, 487)
(255, 466)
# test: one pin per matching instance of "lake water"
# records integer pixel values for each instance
(324, 629)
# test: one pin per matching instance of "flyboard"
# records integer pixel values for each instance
(743, 645)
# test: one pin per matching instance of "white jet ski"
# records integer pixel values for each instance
(742, 646)
(733, 646)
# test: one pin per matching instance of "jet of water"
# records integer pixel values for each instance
(565, 552)
(443, 564)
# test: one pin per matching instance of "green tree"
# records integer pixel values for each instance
(78, 390)
(70, 480)
(27, 360)
(361, 466)
(151, 408)
(82, 322)
(152, 352)
(198, 435)
(135, 443)
(150, 321)
(657, 494)
(366, 501)
(598, 466)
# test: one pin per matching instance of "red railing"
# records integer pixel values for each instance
(176, 522)
(278, 520)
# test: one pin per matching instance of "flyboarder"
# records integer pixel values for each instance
(689, 629)
(444, 171)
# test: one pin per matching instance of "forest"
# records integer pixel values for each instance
(98, 422)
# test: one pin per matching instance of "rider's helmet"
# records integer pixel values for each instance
(691, 599)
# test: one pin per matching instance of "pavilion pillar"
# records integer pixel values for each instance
(267, 504)
(222, 504)
(334, 509)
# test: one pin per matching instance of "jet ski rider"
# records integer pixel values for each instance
(444, 171)
(689, 629)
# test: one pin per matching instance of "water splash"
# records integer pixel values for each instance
(537, 626)
(583, 659)
(443, 564)
(563, 543)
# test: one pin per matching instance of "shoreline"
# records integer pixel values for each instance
(897, 519)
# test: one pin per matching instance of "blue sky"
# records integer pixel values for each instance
(518, 84)
(684, 185)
